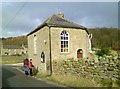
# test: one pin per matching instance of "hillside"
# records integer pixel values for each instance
(102, 37)
(15, 40)
(105, 37)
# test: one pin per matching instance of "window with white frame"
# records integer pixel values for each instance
(64, 42)
(35, 42)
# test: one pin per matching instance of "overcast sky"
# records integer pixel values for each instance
(20, 18)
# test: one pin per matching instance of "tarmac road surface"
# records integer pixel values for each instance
(11, 77)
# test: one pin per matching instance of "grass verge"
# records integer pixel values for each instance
(70, 80)
(9, 59)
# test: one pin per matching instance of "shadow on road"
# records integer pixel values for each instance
(6, 74)
(13, 79)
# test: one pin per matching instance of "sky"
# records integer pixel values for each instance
(20, 18)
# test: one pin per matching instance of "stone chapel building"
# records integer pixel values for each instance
(57, 39)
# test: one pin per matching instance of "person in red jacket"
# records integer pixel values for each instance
(30, 66)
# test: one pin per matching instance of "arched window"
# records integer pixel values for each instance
(42, 57)
(64, 41)
(79, 53)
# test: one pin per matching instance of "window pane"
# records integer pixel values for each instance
(62, 37)
(62, 42)
(66, 38)
(66, 46)
(67, 50)
(62, 33)
(66, 35)
(61, 50)
(66, 42)
(61, 46)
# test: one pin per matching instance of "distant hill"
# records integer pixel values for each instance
(15, 40)
(105, 37)
(102, 37)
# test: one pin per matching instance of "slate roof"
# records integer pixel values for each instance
(57, 21)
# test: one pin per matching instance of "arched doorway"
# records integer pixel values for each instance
(79, 53)
(42, 57)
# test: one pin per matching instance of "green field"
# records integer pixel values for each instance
(8, 59)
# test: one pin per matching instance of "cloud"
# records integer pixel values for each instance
(23, 25)
(88, 14)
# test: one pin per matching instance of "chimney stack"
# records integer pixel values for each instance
(61, 15)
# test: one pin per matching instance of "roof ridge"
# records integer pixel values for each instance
(49, 18)
(56, 21)
(45, 22)
(69, 20)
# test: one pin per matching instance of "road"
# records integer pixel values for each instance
(11, 77)
(0, 76)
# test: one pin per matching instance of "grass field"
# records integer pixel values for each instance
(8, 59)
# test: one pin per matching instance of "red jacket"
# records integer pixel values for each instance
(30, 65)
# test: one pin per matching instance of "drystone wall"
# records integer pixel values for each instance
(107, 68)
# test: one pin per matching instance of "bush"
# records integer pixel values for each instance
(103, 51)
(35, 71)
(99, 53)
(118, 82)
(107, 83)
